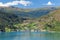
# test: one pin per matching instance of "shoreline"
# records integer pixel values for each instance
(34, 31)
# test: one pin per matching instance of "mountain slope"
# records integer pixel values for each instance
(8, 20)
(51, 21)
(15, 19)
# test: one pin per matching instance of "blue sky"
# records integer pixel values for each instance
(29, 3)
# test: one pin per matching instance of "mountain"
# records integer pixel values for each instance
(14, 19)
(32, 13)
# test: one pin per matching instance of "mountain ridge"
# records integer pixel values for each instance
(28, 12)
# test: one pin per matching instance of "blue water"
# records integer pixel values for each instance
(29, 36)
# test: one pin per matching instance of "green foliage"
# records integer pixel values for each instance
(31, 25)
(7, 29)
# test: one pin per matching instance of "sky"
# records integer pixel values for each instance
(29, 3)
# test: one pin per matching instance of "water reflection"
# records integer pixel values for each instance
(29, 36)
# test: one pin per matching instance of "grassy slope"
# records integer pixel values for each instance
(51, 21)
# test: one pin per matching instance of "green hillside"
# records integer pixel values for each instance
(17, 19)
(8, 20)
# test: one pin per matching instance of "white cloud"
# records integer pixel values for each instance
(23, 2)
(49, 3)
